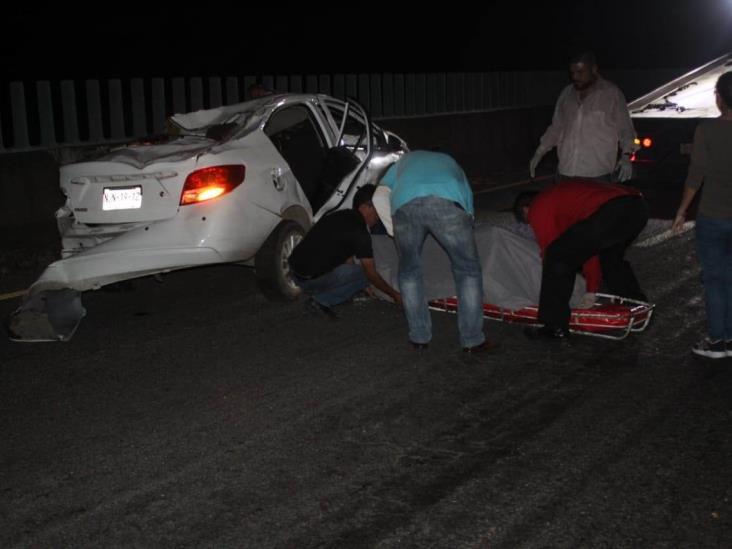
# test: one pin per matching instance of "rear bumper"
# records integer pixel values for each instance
(90, 270)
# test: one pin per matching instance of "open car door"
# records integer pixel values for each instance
(346, 167)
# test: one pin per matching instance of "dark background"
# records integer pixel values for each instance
(124, 40)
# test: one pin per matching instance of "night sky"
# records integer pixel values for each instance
(113, 41)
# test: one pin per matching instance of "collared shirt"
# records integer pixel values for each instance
(427, 173)
(587, 132)
(556, 209)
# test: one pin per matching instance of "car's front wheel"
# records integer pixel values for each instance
(270, 263)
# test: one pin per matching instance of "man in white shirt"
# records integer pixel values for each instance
(591, 122)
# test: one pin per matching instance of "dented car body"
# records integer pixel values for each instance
(240, 183)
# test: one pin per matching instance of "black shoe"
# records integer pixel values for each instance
(546, 332)
(320, 309)
(419, 346)
(484, 347)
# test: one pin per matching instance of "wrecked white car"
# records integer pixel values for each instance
(241, 183)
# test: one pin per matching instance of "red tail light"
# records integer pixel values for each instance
(647, 142)
(208, 183)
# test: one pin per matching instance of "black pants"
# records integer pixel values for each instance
(607, 233)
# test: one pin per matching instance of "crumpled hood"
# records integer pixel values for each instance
(140, 156)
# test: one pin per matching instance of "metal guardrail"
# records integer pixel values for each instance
(67, 113)
(51, 114)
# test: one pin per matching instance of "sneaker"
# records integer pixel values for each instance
(710, 349)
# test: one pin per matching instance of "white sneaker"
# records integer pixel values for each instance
(711, 349)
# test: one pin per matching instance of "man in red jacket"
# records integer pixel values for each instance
(581, 223)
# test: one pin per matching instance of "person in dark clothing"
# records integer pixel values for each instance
(323, 264)
(711, 171)
(581, 224)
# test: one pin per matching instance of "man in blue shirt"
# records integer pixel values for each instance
(430, 194)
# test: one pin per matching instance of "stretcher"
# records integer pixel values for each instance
(611, 317)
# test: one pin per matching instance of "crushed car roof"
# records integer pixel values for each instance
(256, 108)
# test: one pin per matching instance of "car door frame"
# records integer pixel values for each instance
(349, 185)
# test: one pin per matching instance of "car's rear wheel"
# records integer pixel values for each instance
(271, 265)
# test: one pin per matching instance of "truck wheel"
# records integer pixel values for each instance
(270, 263)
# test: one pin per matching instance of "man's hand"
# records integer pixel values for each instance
(624, 168)
(678, 223)
(538, 155)
(373, 276)
(587, 301)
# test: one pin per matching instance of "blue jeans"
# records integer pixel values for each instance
(335, 287)
(714, 247)
(452, 227)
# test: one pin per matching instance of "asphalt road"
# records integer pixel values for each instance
(195, 413)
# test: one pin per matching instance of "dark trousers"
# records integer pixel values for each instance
(606, 233)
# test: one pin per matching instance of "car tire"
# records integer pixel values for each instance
(270, 263)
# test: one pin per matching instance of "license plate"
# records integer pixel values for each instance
(122, 198)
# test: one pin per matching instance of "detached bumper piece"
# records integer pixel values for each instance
(51, 315)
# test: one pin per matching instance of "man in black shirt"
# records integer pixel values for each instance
(322, 264)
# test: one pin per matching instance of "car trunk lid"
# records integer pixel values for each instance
(112, 192)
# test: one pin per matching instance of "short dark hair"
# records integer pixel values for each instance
(363, 195)
(587, 57)
(523, 199)
(724, 88)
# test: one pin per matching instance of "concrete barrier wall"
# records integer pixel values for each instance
(46, 114)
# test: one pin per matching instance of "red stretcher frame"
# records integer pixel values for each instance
(612, 317)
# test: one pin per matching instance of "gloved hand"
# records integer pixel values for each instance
(624, 168)
(538, 155)
(587, 301)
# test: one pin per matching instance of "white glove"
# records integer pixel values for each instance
(587, 301)
(535, 162)
(624, 168)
